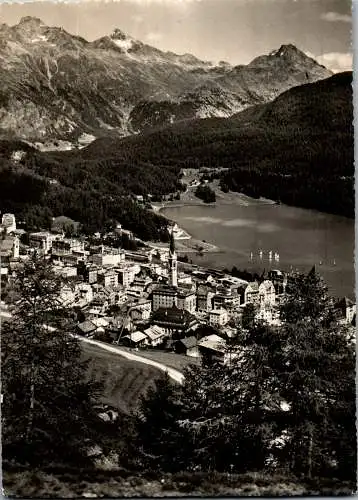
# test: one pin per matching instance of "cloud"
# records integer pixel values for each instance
(333, 17)
(337, 61)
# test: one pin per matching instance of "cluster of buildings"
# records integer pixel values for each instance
(142, 299)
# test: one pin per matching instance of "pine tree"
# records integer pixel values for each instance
(297, 386)
(254, 375)
(205, 416)
(249, 316)
(47, 410)
(225, 430)
(159, 436)
(316, 370)
(306, 299)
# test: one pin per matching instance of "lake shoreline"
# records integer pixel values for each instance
(235, 230)
(188, 199)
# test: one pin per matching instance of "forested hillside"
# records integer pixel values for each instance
(297, 149)
(96, 192)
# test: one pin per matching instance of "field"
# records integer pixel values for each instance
(176, 361)
(124, 381)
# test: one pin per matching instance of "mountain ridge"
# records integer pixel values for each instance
(57, 85)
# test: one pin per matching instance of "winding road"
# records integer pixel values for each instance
(175, 375)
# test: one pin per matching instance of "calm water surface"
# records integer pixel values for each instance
(301, 237)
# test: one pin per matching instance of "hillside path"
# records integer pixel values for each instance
(175, 375)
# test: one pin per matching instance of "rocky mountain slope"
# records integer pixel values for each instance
(57, 85)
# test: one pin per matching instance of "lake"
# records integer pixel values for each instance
(301, 237)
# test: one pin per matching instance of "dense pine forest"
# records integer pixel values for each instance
(97, 193)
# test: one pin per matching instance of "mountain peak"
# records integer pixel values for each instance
(290, 55)
(118, 34)
(31, 21)
(286, 50)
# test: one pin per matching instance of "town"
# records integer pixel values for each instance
(146, 298)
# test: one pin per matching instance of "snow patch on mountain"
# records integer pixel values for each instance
(124, 44)
(39, 38)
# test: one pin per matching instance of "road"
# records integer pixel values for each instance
(175, 375)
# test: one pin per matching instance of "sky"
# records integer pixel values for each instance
(236, 31)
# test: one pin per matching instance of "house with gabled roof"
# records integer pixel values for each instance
(251, 293)
(175, 321)
(135, 339)
(267, 294)
(86, 328)
(212, 349)
(187, 346)
(155, 335)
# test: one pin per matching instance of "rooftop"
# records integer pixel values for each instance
(173, 315)
(213, 342)
(188, 342)
(154, 332)
(136, 336)
(87, 326)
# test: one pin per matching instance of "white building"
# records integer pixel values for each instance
(251, 294)
(164, 296)
(65, 271)
(8, 222)
(108, 257)
(186, 299)
(42, 240)
(108, 279)
(127, 273)
(155, 335)
(267, 294)
(218, 317)
(67, 246)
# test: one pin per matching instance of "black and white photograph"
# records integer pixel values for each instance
(177, 249)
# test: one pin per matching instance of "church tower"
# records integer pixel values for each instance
(16, 248)
(173, 264)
